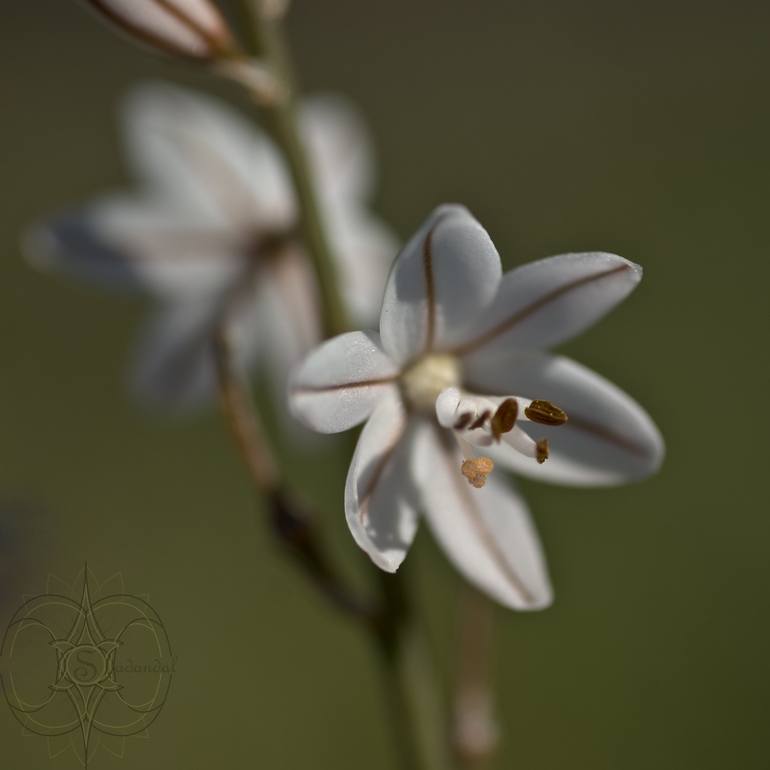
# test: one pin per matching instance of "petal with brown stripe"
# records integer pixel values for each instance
(439, 284)
(380, 501)
(486, 533)
(338, 385)
(547, 302)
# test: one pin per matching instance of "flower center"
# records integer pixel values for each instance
(424, 380)
(267, 245)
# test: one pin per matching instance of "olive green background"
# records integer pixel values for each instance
(639, 128)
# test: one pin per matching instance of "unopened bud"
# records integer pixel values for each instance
(191, 28)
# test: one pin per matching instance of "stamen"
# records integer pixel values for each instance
(463, 421)
(504, 418)
(466, 412)
(476, 470)
(468, 450)
(545, 413)
(522, 442)
(480, 420)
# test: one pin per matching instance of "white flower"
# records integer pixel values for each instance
(213, 235)
(455, 367)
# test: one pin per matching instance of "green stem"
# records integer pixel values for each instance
(280, 119)
(282, 124)
(409, 671)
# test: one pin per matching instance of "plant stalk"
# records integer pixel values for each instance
(267, 40)
(410, 681)
(409, 670)
(292, 526)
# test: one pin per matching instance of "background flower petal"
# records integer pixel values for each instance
(286, 284)
(339, 146)
(207, 157)
(365, 248)
(173, 365)
(340, 151)
(130, 244)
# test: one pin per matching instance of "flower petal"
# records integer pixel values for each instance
(441, 280)
(608, 438)
(207, 158)
(380, 503)
(173, 367)
(174, 364)
(338, 385)
(365, 248)
(341, 154)
(338, 146)
(487, 533)
(547, 302)
(290, 318)
(137, 245)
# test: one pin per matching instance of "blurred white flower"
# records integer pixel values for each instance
(213, 236)
(189, 28)
(455, 367)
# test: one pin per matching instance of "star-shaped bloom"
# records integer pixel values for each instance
(457, 381)
(213, 235)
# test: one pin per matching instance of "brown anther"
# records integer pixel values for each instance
(545, 413)
(504, 418)
(463, 420)
(542, 450)
(476, 470)
(480, 420)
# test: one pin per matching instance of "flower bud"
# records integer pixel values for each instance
(190, 28)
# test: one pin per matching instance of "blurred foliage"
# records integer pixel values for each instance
(635, 128)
